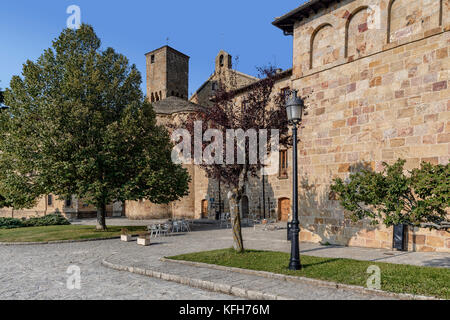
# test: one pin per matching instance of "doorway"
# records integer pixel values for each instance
(205, 209)
(244, 207)
(284, 209)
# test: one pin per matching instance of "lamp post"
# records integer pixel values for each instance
(294, 110)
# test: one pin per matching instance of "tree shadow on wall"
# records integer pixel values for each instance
(322, 216)
(258, 203)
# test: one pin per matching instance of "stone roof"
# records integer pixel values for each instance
(311, 7)
(173, 105)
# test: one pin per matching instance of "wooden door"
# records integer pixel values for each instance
(205, 209)
(284, 209)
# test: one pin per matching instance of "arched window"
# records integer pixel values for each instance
(323, 49)
(407, 18)
(221, 60)
(358, 33)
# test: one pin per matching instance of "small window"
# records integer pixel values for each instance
(152, 59)
(283, 164)
(221, 60)
(50, 200)
(68, 203)
(214, 86)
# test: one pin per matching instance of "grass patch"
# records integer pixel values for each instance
(61, 233)
(394, 278)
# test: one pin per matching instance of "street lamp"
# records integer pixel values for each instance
(294, 110)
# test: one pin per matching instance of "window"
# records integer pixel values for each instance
(283, 164)
(68, 203)
(152, 59)
(221, 60)
(214, 86)
(50, 200)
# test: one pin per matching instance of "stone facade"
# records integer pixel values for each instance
(167, 74)
(376, 76)
(73, 208)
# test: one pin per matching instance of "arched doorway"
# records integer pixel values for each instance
(205, 209)
(244, 207)
(284, 209)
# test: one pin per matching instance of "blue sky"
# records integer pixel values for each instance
(198, 28)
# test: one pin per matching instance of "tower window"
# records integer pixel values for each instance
(152, 58)
(221, 61)
(214, 86)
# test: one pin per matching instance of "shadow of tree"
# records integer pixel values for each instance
(322, 217)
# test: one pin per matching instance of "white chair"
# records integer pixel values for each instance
(154, 231)
(164, 229)
(176, 226)
(185, 226)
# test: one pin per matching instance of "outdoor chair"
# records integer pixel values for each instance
(154, 231)
(164, 229)
(185, 226)
(176, 226)
(225, 220)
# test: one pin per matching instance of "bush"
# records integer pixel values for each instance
(419, 197)
(10, 223)
(55, 219)
(49, 220)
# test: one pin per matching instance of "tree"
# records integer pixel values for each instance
(78, 124)
(417, 198)
(256, 108)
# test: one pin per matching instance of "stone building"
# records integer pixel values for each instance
(377, 76)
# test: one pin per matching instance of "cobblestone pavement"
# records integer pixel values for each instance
(39, 272)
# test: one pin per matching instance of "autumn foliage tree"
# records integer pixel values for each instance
(256, 108)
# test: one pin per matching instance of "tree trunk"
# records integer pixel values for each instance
(234, 199)
(101, 216)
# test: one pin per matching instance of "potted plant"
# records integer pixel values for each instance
(125, 236)
(144, 239)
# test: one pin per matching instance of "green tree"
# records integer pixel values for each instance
(395, 196)
(78, 124)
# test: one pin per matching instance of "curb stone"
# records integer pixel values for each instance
(197, 283)
(270, 275)
(6, 244)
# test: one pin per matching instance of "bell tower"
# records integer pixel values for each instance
(223, 61)
(167, 74)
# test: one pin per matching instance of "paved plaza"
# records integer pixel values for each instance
(40, 271)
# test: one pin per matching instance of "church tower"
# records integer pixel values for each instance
(167, 74)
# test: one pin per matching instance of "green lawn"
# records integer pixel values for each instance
(58, 233)
(394, 278)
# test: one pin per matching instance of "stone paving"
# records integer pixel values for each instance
(39, 272)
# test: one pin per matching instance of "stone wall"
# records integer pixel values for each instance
(382, 95)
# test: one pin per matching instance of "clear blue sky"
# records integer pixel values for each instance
(198, 28)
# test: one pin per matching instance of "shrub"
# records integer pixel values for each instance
(55, 219)
(49, 220)
(10, 223)
(418, 198)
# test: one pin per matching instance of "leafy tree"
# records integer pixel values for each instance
(256, 108)
(78, 124)
(418, 198)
